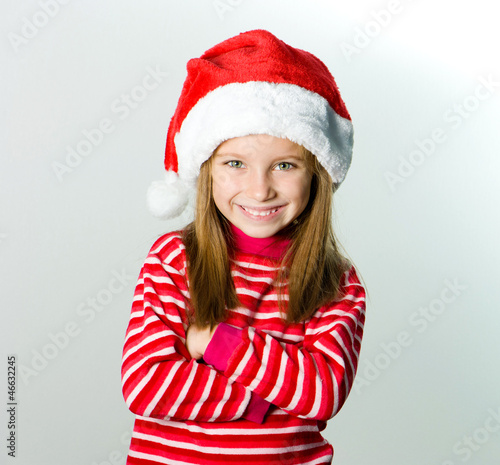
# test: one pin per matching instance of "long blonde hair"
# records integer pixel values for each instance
(312, 266)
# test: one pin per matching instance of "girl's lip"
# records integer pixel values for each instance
(261, 213)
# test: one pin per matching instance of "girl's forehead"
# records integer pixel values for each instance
(260, 144)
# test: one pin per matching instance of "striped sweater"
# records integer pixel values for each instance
(265, 390)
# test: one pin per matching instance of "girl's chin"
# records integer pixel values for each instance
(259, 231)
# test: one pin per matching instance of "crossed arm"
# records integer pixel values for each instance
(197, 340)
(162, 377)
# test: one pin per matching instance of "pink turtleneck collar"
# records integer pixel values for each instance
(272, 247)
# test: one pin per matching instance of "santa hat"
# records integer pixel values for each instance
(253, 83)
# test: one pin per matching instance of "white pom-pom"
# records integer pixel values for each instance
(167, 198)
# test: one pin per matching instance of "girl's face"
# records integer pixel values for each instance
(260, 183)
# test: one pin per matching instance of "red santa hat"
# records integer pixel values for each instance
(253, 83)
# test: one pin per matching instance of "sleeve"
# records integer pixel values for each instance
(309, 381)
(224, 341)
(159, 378)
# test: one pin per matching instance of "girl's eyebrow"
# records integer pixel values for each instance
(226, 154)
(287, 156)
(292, 156)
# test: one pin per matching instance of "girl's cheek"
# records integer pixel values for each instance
(228, 178)
(220, 177)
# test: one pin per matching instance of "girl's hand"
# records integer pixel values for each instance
(197, 340)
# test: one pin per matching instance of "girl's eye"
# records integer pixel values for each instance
(283, 166)
(235, 164)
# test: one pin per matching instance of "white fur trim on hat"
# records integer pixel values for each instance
(167, 198)
(258, 107)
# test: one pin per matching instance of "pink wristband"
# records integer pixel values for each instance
(222, 345)
(218, 352)
(256, 409)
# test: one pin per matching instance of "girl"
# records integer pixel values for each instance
(246, 326)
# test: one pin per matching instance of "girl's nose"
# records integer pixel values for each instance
(260, 186)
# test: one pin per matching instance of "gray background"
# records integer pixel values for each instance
(421, 227)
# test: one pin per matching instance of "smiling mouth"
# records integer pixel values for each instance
(260, 212)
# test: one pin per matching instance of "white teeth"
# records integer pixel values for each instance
(260, 213)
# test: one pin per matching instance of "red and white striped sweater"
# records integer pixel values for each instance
(265, 389)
